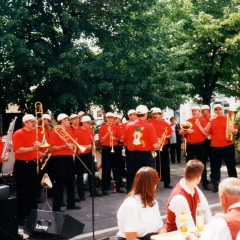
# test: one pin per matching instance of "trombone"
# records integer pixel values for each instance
(66, 138)
(39, 117)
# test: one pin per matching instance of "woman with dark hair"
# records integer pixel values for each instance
(139, 216)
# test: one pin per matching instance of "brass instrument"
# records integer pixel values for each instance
(185, 126)
(231, 115)
(8, 138)
(111, 139)
(66, 137)
(45, 160)
(39, 116)
(162, 140)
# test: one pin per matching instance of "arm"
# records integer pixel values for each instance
(24, 150)
(131, 235)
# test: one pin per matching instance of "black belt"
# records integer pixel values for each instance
(195, 143)
(23, 161)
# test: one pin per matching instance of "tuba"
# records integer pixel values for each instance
(185, 126)
(231, 115)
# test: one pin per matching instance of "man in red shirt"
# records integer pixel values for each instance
(25, 149)
(109, 136)
(195, 137)
(140, 138)
(62, 157)
(221, 149)
(162, 161)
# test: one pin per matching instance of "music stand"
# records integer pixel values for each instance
(46, 183)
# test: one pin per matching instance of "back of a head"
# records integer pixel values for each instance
(230, 186)
(194, 169)
(144, 184)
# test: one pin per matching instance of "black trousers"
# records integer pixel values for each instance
(64, 176)
(110, 162)
(197, 151)
(25, 176)
(175, 148)
(80, 170)
(162, 165)
(217, 155)
(134, 161)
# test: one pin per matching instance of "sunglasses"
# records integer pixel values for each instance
(217, 109)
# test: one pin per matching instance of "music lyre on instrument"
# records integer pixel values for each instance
(66, 138)
(39, 118)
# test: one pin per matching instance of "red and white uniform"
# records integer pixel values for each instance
(115, 132)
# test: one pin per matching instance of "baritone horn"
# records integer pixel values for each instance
(231, 115)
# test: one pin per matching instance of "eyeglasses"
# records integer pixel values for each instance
(217, 109)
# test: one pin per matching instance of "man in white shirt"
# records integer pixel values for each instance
(226, 227)
(185, 196)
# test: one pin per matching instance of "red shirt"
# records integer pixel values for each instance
(1, 149)
(192, 202)
(26, 139)
(55, 140)
(197, 135)
(116, 133)
(140, 136)
(160, 127)
(84, 137)
(218, 132)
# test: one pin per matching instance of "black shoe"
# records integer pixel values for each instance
(120, 190)
(173, 162)
(105, 193)
(63, 204)
(206, 187)
(179, 162)
(21, 222)
(96, 194)
(82, 198)
(75, 207)
(76, 199)
(168, 186)
(215, 189)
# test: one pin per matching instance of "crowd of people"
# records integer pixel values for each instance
(146, 142)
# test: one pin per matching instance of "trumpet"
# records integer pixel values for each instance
(231, 115)
(66, 138)
(39, 117)
(111, 139)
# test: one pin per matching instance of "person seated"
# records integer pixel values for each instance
(185, 196)
(226, 227)
(139, 216)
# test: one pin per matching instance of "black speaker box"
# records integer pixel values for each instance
(8, 219)
(56, 223)
(4, 192)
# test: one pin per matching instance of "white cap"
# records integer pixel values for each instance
(119, 116)
(28, 117)
(141, 109)
(61, 116)
(73, 116)
(205, 107)
(156, 110)
(47, 116)
(86, 119)
(131, 111)
(110, 114)
(217, 106)
(195, 108)
(80, 113)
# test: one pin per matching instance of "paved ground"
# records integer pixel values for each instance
(105, 208)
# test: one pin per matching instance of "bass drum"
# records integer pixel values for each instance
(7, 167)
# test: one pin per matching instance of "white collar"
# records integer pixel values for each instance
(235, 205)
(185, 187)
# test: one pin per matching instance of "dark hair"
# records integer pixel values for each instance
(171, 118)
(144, 184)
(140, 115)
(194, 169)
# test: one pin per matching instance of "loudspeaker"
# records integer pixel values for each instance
(56, 223)
(4, 192)
(8, 219)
